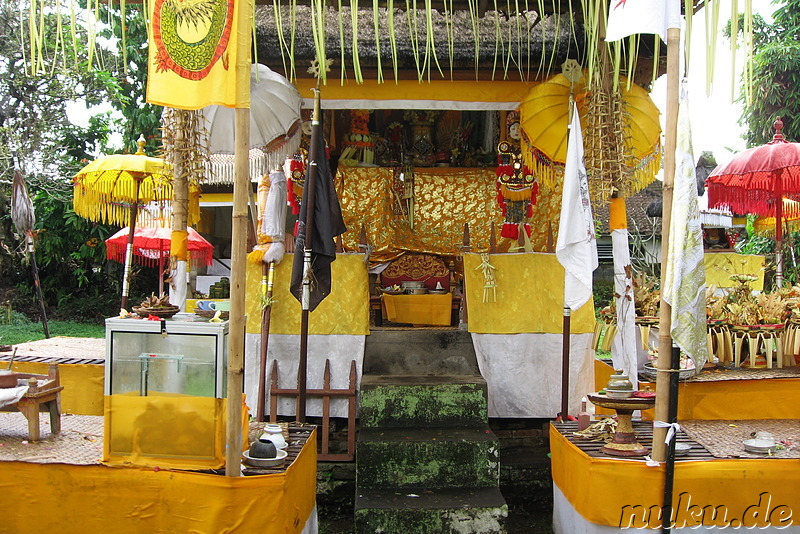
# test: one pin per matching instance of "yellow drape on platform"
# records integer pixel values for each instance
(600, 489)
(419, 309)
(75, 499)
(166, 430)
(720, 265)
(530, 296)
(344, 311)
(83, 385)
(774, 398)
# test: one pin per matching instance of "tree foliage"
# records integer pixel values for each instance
(37, 137)
(776, 77)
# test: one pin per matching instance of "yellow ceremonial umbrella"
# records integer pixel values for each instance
(114, 188)
(544, 118)
(764, 225)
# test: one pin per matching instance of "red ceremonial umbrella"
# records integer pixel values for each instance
(151, 246)
(756, 181)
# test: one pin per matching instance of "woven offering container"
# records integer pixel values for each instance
(164, 312)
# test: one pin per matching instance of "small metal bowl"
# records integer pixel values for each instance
(265, 462)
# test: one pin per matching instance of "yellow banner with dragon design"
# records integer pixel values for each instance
(199, 53)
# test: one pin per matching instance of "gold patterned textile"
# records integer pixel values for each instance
(530, 296)
(419, 309)
(444, 199)
(344, 311)
(720, 265)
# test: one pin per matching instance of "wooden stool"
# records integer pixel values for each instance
(44, 395)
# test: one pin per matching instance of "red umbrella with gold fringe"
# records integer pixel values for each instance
(756, 181)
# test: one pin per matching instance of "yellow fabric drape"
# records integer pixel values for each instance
(530, 296)
(344, 311)
(419, 309)
(147, 500)
(720, 265)
(166, 430)
(83, 385)
(179, 245)
(724, 399)
(604, 491)
(617, 215)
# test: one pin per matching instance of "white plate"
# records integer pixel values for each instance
(759, 446)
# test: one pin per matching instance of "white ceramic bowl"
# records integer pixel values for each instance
(682, 449)
(265, 462)
(274, 433)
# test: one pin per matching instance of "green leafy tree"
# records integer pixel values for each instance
(776, 76)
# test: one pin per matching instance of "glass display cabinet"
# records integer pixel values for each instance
(165, 390)
(170, 356)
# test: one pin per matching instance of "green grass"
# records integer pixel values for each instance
(20, 332)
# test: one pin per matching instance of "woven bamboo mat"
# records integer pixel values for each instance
(723, 439)
(81, 440)
(79, 443)
(746, 374)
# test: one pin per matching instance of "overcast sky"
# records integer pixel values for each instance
(714, 118)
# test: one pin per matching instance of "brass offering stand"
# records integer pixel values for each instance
(624, 442)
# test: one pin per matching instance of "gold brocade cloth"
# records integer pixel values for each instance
(419, 309)
(530, 296)
(721, 265)
(444, 199)
(344, 311)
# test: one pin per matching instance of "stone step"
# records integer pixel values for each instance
(420, 352)
(433, 458)
(422, 401)
(438, 511)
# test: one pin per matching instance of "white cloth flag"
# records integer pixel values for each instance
(627, 17)
(623, 348)
(685, 278)
(576, 248)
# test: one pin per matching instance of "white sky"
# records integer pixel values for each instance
(714, 118)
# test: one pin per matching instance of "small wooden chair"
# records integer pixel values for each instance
(44, 395)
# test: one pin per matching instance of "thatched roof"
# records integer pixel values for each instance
(516, 46)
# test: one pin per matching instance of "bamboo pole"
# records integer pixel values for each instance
(180, 210)
(241, 190)
(664, 362)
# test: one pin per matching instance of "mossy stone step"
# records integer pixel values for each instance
(441, 457)
(423, 401)
(436, 511)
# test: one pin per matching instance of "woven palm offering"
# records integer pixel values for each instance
(157, 306)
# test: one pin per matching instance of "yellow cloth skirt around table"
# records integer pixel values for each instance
(419, 309)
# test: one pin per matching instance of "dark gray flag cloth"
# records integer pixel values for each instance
(328, 224)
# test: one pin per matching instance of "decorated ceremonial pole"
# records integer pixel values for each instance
(267, 282)
(307, 229)
(576, 247)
